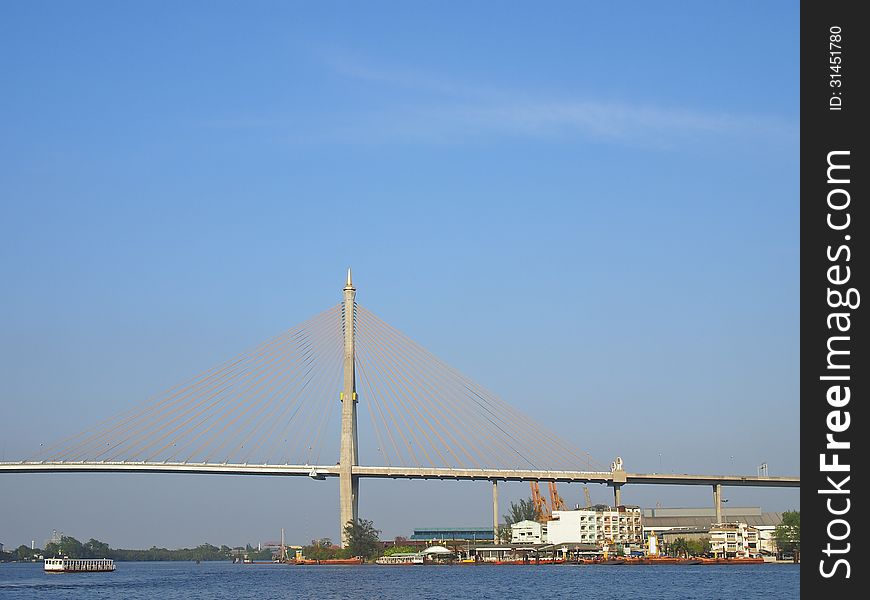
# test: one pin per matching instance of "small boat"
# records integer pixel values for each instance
(78, 565)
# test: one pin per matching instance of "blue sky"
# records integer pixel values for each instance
(591, 210)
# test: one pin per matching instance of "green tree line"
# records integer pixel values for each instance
(73, 548)
(683, 548)
(362, 540)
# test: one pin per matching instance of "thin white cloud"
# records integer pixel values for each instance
(447, 110)
(415, 107)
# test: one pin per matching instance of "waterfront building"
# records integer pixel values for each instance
(453, 534)
(620, 525)
(695, 523)
(529, 532)
(494, 553)
(734, 540)
(573, 527)
(767, 541)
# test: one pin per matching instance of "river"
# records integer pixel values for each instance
(218, 580)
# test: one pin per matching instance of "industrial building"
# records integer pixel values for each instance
(662, 519)
(696, 523)
(453, 534)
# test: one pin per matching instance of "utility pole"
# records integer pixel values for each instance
(348, 482)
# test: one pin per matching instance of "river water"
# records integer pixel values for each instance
(174, 580)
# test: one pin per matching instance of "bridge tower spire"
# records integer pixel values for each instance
(348, 482)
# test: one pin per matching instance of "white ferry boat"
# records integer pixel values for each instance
(78, 565)
(401, 558)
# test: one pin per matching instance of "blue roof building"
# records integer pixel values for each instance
(453, 533)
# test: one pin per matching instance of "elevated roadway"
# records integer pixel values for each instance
(322, 471)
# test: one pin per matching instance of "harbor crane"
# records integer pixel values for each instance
(542, 508)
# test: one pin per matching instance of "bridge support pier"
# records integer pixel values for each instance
(495, 511)
(717, 501)
(617, 494)
(348, 484)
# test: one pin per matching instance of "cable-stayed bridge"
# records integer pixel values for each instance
(289, 407)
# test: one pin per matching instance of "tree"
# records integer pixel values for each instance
(24, 553)
(209, 552)
(679, 547)
(698, 547)
(362, 538)
(398, 550)
(321, 549)
(788, 533)
(96, 549)
(524, 510)
(68, 546)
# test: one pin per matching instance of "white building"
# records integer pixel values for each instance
(529, 532)
(620, 525)
(734, 540)
(767, 540)
(572, 527)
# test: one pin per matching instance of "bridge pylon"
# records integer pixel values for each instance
(348, 457)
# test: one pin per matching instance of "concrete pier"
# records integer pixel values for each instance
(495, 511)
(717, 501)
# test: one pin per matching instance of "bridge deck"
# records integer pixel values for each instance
(604, 477)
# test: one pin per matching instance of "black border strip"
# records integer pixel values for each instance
(834, 263)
